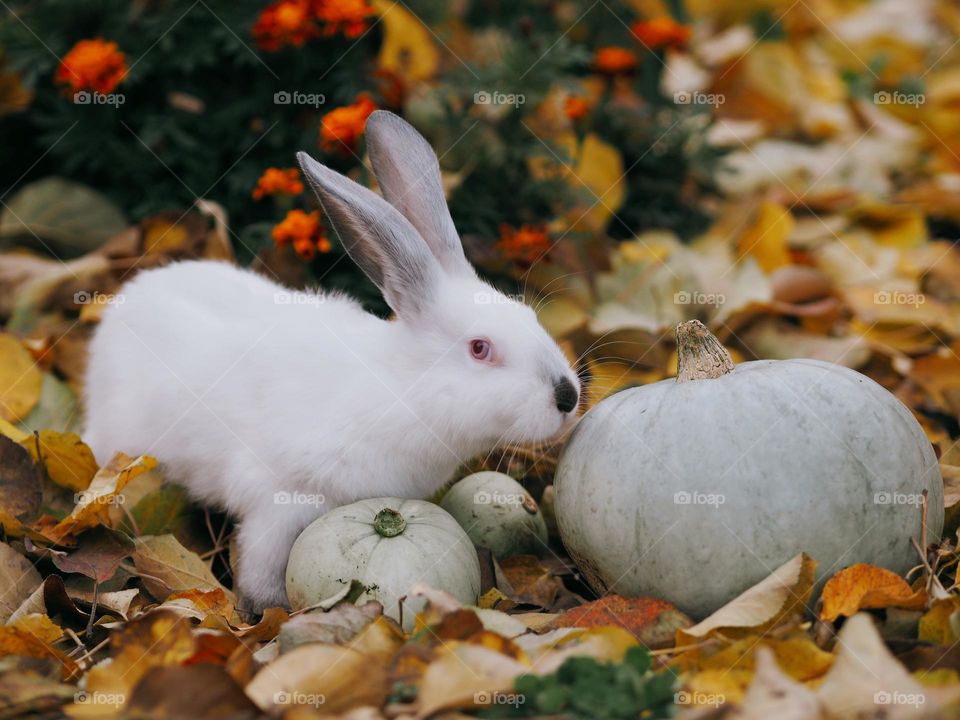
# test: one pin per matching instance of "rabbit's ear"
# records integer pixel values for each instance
(379, 239)
(409, 175)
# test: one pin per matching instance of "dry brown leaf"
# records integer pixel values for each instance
(168, 567)
(18, 579)
(157, 638)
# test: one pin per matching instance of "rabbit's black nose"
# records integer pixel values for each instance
(565, 395)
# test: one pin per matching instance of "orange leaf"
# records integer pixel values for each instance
(864, 587)
(653, 622)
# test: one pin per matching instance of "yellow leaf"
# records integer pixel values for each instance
(20, 379)
(799, 657)
(940, 624)
(33, 635)
(898, 226)
(766, 238)
(867, 587)
(94, 502)
(599, 174)
(69, 462)
(408, 47)
(12, 431)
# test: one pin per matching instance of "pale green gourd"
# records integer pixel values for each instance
(388, 545)
(498, 514)
(694, 489)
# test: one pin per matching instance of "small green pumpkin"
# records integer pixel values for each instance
(498, 514)
(388, 545)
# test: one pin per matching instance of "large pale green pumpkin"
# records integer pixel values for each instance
(694, 489)
(388, 545)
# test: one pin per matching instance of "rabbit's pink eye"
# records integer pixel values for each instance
(481, 349)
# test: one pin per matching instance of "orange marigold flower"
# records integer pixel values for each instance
(661, 32)
(614, 60)
(525, 244)
(350, 16)
(341, 128)
(277, 181)
(304, 232)
(575, 107)
(286, 22)
(96, 65)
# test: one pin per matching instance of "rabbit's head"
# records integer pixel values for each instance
(494, 372)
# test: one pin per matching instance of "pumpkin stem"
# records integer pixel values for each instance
(389, 523)
(700, 355)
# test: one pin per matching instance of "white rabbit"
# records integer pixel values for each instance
(279, 406)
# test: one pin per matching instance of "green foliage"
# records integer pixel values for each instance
(583, 688)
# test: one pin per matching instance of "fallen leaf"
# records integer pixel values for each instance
(155, 639)
(766, 238)
(167, 567)
(18, 579)
(202, 691)
(654, 623)
(462, 675)
(69, 462)
(866, 587)
(334, 627)
(783, 593)
(528, 581)
(772, 694)
(20, 379)
(93, 503)
(328, 677)
(33, 635)
(941, 623)
(866, 675)
(20, 490)
(24, 693)
(98, 556)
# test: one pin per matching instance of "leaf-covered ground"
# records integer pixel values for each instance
(832, 235)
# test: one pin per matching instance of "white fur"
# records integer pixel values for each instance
(249, 395)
